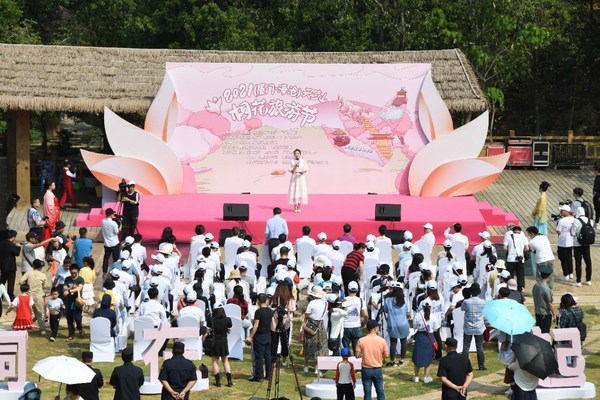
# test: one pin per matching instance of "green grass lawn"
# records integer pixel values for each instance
(398, 382)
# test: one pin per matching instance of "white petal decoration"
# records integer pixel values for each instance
(109, 170)
(463, 143)
(463, 177)
(162, 114)
(129, 141)
(434, 116)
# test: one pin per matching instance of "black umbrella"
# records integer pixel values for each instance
(535, 355)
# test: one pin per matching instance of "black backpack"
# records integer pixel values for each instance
(587, 233)
(588, 208)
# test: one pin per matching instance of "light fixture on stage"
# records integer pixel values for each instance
(387, 212)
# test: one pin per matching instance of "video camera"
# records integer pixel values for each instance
(556, 217)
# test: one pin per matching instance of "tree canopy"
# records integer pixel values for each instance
(536, 60)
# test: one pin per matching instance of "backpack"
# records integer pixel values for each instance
(587, 233)
(275, 319)
(581, 327)
(587, 207)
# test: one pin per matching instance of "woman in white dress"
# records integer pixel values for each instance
(298, 192)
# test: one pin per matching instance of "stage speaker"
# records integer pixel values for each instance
(236, 212)
(387, 212)
(396, 236)
(226, 233)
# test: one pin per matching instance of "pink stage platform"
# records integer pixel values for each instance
(327, 213)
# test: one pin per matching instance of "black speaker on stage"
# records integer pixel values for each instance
(396, 236)
(387, 212)
(236, 212)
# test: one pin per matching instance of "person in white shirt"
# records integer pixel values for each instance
(515, 245)
(565, 241)
(540, 245)
(197, 242)
(335, 255)
(581, 251)
(457, 236)
(110, 233)
(138, 251)
(234, 238)
(428, 235)
(382, 238)
(191, 309)
(322, 248)
(372, 253)
(335, 323)
(246, 256)
(275, 253)
(478, 248)
(356, 317)
(153, 309)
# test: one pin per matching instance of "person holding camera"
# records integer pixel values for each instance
(515, 245)
(34, 219)
(131, 204)
(110, 233)
(260, 339)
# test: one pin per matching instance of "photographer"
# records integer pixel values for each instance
(260, 338)
(283, 304)
(515, 245)
(110, 233)
(131, 202)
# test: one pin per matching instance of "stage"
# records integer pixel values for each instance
(327, 213)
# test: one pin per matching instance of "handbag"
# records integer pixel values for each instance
(433, 341)
(311, 326)
(208, 343)
(79, 301)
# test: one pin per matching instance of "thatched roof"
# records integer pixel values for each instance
(85, 79)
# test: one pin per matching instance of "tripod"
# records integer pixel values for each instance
(276, 362)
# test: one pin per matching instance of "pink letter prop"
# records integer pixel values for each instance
(13, 353)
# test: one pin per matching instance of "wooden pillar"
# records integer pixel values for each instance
(18, 153)
(569, 136)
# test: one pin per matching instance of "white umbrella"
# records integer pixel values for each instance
(64, 369)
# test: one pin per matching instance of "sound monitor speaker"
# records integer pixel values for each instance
(387, 212)
(236, 212)
(396, 236)
(226, 233)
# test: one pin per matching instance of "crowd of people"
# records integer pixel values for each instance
(353, 285)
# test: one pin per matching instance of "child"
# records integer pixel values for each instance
(89, 276)
(345, 377)
(23, 304)
(54, 307)
(3, 295)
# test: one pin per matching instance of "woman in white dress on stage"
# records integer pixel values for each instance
(298, 192)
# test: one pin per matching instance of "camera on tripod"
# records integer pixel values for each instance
(118, 218)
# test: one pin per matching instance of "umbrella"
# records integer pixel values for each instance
(535, 355)
(64, 369)
(509, 316)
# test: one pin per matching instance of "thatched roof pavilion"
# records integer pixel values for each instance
(86, 79)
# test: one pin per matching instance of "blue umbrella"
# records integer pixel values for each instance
(509, 316)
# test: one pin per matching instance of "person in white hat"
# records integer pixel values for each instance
(457, 236)
(322, 248)
(315, 314)
(371, 255)
(335, 255)
(357, 316)
(478, 248)
(428, 235)
(246, 256)
(565, 241)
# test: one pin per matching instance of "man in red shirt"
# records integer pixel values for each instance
(352, 267)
